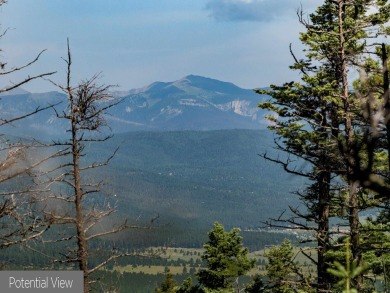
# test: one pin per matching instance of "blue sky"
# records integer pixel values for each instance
(136, 42)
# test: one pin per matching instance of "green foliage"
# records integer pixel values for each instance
(130, 282)
(226, 259)
(284, 276)
(207, 290)
(187, 287)
(222, 180)
(168, 285)
(330, 127)
(280, 261)
(376, 246)
(346, 275)
(256, 286)
(348, 272)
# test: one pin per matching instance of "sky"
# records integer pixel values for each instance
(133, 43)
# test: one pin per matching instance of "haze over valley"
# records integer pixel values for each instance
(188, 152)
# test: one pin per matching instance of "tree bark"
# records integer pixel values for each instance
(349, 150)
(386, 97)
(82, 251)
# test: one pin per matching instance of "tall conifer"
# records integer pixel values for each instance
(319, 119)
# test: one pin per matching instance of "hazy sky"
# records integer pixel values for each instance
(136, 42)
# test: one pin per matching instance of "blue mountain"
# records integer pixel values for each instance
(191, 103)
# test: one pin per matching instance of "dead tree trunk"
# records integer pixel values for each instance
(87, 105)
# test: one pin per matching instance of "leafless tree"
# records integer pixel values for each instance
(20, 219)
(5, 72)
(82, 205)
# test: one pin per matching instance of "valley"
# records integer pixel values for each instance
(191, 179)
(188, 155)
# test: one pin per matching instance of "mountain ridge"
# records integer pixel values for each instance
(193, 103)
(190, 103)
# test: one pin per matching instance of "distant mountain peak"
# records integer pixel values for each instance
(206, 83)
(202, 79)
(197, 78)
(191, 103)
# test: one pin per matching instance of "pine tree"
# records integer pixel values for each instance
(226, 259)
(283, 275)
(168, 285)
(319, 119)
(305, 129)
(256, 286)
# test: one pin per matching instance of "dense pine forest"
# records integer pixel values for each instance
(301, 206)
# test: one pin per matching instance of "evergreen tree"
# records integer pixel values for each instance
(320, 121)
(283, 275)
(307, 133)
(256, 286)
(187, 287)
(226, 259)
(375, 243)
(168, 285)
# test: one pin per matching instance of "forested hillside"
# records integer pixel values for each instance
(193, 178)
(133, 189)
